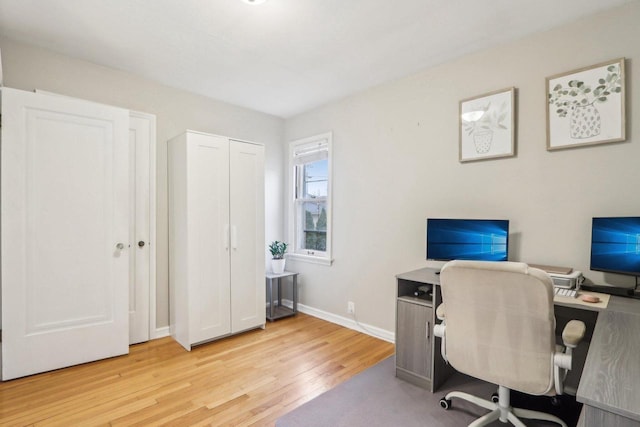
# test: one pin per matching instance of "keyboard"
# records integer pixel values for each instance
(564, 292)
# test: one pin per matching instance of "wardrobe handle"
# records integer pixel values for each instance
(234, 237)
(226, 236)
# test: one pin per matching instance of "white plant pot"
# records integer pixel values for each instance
(585, 122)
(277, 265)
(482, 140)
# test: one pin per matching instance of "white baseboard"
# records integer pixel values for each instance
(161, 333)
(373, 331)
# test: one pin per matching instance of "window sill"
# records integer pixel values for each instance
(310, 259)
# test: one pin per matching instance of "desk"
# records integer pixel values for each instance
(609, 386)
(610, 383)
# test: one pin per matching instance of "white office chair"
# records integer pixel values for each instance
(499, 326)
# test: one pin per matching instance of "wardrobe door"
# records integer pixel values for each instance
(208, 222)
(65, 224)
(247, 236)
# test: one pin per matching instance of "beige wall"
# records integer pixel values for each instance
(29, 68)
(396, 163)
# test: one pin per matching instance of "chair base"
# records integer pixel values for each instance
(500, 411)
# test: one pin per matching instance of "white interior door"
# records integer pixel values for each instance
(65, 230)
(142, 265)
(247, 226)
(141, 200)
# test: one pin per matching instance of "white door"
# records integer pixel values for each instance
(247, 236)
(65, 230)
(142, 139)
(141, 200)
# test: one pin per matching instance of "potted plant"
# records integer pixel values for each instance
(278, 249)
(581, 100)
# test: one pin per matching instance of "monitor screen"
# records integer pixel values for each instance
(468, 239)
(615, 245)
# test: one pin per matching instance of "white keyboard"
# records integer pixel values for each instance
(563, 292)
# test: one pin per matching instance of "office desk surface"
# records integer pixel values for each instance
(423, 275)
(602, 304)
(611, 376)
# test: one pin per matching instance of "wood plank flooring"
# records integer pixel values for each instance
(246, 380)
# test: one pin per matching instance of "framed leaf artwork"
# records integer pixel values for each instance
(487, 126)
(586, 106)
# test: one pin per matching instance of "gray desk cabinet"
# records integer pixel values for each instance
(418, 358)
(413, 341)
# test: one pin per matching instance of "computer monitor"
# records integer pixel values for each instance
(467, 239)
(615, 245)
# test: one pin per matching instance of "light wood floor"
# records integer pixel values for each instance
(250, 379)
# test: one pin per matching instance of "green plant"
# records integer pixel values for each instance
(578, 94)
(278, 249)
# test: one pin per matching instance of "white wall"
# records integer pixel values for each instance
(395, 151)
(29, 68)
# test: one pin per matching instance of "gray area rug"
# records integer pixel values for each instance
(376, 397)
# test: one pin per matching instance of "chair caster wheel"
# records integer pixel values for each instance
(445, 403)
(495, 398)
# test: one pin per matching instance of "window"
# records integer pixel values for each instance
(310, 209)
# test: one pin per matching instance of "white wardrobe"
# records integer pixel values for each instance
(216, 237)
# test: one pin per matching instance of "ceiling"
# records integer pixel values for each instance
(283, 57)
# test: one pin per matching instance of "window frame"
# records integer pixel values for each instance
(296, 181)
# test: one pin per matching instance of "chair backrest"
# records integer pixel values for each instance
(500, 325)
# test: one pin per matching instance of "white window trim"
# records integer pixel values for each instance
(326, 258)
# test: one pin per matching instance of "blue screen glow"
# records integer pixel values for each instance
(469, 239)
(615, 245)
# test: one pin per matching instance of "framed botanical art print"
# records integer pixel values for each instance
(487, 126)
(586, 106)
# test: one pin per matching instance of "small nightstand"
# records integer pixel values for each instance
(277, 310)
